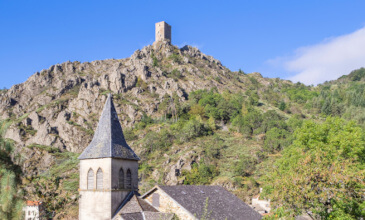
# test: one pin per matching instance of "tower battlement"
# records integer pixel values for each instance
(162, 31)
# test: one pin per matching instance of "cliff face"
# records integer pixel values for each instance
(60, 106)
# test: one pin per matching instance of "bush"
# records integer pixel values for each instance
(245, 166)
(276, 139)
(200, 174)
(193, 129)
(282, 106)
(157, 141)
(176, 58)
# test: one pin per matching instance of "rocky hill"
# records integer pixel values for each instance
(60, 106)
(52, 116)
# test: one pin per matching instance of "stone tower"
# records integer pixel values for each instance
(108, 169)
(163, 32)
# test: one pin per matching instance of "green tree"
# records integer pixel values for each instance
(282, 106)
(322, 171)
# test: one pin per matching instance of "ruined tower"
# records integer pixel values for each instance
(163, 32)
(108, 169)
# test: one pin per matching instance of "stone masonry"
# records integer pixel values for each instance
(163, 32)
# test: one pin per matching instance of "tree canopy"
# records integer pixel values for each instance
(322, 172)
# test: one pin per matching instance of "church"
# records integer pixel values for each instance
(109, 185)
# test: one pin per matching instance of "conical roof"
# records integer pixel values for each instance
(108, 140)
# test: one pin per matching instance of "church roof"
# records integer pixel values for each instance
(214, 201)
(135, 208)
(108, 140)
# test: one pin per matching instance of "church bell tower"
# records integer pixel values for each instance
(108, 169)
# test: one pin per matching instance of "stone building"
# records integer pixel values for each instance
(162, 32)
(261, 206)
(33, 210)
(199, 202)
(109, 172)
(109, 185)
(108, 168)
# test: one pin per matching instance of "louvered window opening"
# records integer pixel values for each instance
(121, 178)
(90, 179)
(129, 179)
(99, 179)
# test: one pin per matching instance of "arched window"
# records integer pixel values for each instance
(129, 179)
(99, 179)
(121, 178)
(90, 179)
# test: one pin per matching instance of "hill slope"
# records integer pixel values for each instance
(189, 118)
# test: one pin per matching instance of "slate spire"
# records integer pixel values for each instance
(108, 140)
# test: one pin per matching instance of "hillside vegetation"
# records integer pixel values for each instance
(193, 121)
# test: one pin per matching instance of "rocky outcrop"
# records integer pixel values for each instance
(60, 106)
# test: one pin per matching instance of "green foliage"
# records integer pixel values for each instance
(245, 166)
(192, 129)
(218, 106)
(105, 92)
(300, 93)
(276, 140)
(56, 186)
(201, 174)
(176, 58)
(174, 74)
(157, 141)
(142, 84)
(322, 171)
(49, 149)
(154, 60)
(249, 123)
(253, 97)
(145, 121)
(129, 135)
(241, 71)
(356, 75)
(11, 196)
(282, 106)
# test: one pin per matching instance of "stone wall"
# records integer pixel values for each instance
(169, 205)
(163, 31)
(103, 203)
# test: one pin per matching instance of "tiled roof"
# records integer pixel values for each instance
(108, 140)
(33, 203)
(221, 203)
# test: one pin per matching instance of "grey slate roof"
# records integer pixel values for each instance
(134, 208)
(221, 203)
(108, 140)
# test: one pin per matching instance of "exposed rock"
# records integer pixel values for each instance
(60, 106)
(183, 163)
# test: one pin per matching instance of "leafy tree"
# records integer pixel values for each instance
(322, 171)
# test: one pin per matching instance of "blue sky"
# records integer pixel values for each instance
(307, 41)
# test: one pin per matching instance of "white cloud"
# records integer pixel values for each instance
(328, 60)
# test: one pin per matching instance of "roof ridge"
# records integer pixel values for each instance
(110, 121)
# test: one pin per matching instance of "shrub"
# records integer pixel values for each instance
(192, 129)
